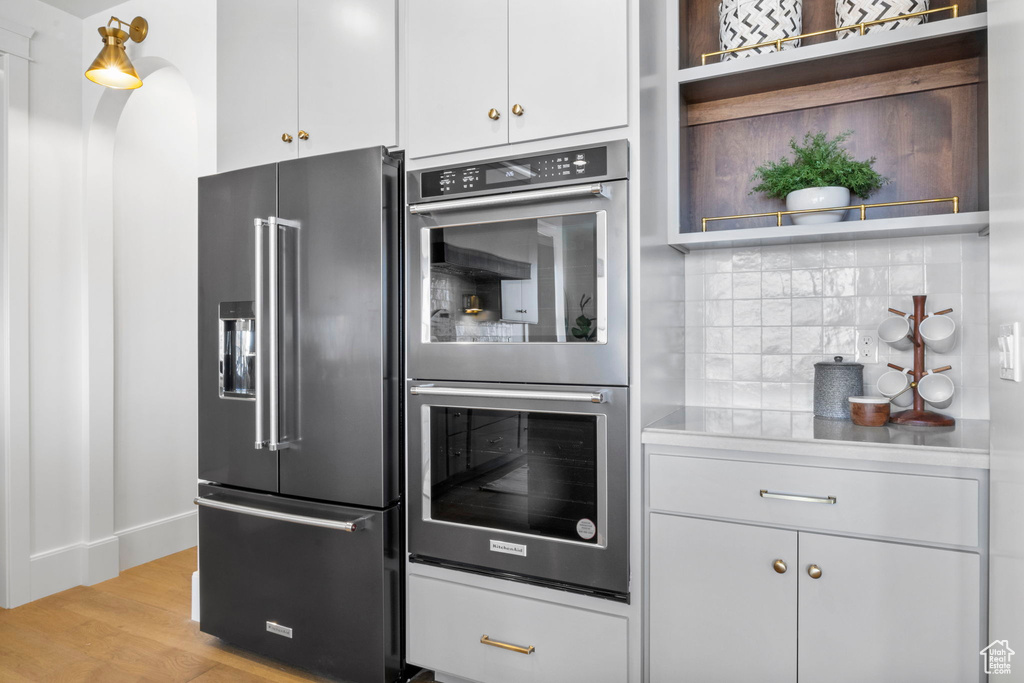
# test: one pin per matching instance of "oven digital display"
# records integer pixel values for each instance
(557, 167)
(510, 173)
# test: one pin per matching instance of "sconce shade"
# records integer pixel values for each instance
(471, 303)
(112, 67)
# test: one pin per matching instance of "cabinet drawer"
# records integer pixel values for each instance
(921, 508)
(447, 620)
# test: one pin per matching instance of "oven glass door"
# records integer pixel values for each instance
(527, 280)
(526, 471)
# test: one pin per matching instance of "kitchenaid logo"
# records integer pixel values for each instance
(997, 657)
(279, 630)
(509, 548)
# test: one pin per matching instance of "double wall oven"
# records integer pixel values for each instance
(518, 364)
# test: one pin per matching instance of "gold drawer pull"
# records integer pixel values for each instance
(486, 640)
(827, 500)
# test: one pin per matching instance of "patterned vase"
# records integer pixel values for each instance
(749, 22)
(853, 12)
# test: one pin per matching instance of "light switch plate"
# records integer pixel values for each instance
(1009, 352)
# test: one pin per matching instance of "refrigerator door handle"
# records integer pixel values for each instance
(275, 223)
(261, 441)
(354, 525)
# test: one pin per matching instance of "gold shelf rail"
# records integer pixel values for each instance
(862, 207)
(862, 27)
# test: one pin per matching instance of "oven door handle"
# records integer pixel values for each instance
(511, 199)
(577, 396)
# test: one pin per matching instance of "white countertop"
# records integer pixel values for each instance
(800, 433)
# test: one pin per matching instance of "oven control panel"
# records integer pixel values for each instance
(558, 167)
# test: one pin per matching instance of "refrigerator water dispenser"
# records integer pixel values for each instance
(237, 362)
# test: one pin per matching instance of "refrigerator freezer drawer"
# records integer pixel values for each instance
(310, 584)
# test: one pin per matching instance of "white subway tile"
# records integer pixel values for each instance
(746, 367)
(694, 313)
(839, 254)
(806, 283)
(695, 393)
(718, 339)
(718, 313)
(803, 367)
(746, 394)
(803, 399)
(776, 368)
(746, 285)
(942, 249)
(873, 252)
(718, 286)
(807, 340)
(718, 261)
(906, 250)
(746, 312)
(942, 278)
(776, 257)
(776, 340)
(694, 366)
(775, 284)
(974, 248)
(871, 311)
(806, 256)
(906, 279)
(873, 281)
(776, 395)
(777, 312)
(975, 405)
(717, 366)
(840, 341)
(807, 311)
(839, 310)
(975, 277)
(746, 258)
(746, 340)
(718, 394)
(839, 281)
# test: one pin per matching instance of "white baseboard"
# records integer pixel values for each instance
(148, 542)
(57, 570)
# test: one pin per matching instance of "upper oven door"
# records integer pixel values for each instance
(521, 287)
(527, 479)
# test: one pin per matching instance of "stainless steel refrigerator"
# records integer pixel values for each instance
(300, 352)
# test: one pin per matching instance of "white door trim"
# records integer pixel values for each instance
(15, 503)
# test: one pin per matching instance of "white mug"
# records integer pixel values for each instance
(894, 331)
(939, 333)
(936, 389)
(892, 383)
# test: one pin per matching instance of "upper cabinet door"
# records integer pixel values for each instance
(457, 71)
(257, 60)
(567, 67)
(346, 75)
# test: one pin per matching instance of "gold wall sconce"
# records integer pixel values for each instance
(471, 304)
(112, 68)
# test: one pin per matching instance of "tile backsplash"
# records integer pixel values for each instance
(759, 318)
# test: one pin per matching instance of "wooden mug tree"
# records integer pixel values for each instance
(917, 415)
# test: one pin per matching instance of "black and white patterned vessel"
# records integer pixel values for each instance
(853, 12)
(749, 22)
(834, 383)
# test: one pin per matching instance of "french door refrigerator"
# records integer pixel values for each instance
(299, 412)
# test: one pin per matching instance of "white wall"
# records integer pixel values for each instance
(155, 404)
(1006, 587)
(55, 181)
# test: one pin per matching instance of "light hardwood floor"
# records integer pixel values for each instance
(136, 627)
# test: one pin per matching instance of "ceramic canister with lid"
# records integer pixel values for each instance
(834, 383)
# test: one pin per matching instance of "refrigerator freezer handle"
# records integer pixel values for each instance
(259, 223)
(354, 525)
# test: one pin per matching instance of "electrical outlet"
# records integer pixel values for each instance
(867, 346)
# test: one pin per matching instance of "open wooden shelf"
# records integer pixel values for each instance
(911, 226)
(907, 47)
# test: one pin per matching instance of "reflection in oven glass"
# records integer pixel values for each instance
(534, 473)
(536, 281)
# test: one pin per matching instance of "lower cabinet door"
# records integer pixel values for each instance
(885, 612)
(469, 632)
(720, 609)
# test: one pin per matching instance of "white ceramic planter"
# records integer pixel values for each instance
(817, 198)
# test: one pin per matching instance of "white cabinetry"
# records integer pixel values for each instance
(492, 72)
(735, 600)
(326, 68)
(526, 639)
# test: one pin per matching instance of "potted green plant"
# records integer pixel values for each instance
(822, 174)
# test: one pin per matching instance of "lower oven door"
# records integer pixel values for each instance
(529, 481)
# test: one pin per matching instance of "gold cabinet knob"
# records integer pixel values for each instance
(517, 109)
(779, 566)
(303, 135)
(285, 137)
(494, 114)
(814, 571)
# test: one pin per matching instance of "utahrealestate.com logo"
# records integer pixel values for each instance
(997, 657)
